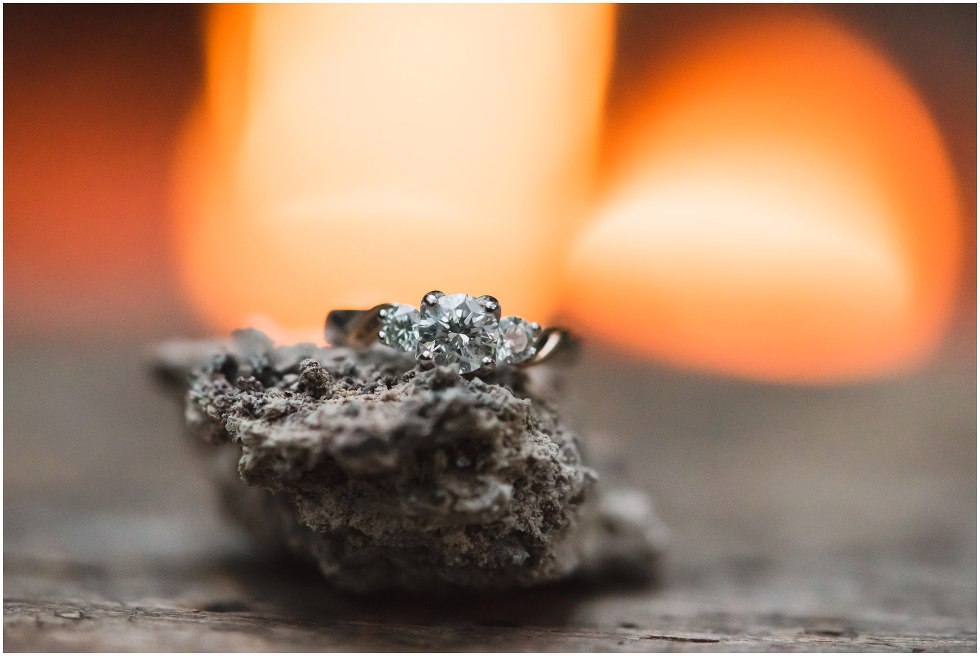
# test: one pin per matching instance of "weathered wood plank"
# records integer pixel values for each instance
(254, 605)
(65, 626)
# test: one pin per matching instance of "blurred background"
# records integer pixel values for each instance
(762, 219)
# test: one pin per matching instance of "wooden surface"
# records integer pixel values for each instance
(802, 519)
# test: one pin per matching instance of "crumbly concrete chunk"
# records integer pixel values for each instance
(388, 476)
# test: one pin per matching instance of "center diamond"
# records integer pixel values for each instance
(457, 329)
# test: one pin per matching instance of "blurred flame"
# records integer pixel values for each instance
(780, 206)
(348, 155)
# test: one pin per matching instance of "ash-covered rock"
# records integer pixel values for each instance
(389, 476)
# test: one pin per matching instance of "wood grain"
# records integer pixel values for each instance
(803, 520)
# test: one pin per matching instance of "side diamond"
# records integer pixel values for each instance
(400, 327)
(517, 340)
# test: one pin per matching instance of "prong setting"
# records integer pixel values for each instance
(490, 304)
(432, 298)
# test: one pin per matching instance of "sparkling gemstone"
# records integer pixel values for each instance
(517, 340)
(460, 330)
(400, 327)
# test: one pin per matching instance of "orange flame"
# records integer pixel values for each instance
(782, 207)
(346, 155)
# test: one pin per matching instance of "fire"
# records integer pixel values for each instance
(781, 206)
(348, 155)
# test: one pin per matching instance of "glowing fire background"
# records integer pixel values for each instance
(784, 194)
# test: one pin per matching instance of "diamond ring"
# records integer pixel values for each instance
(455, 330)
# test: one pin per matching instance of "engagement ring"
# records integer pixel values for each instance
(458, 330)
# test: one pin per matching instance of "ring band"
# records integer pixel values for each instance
(451, 330)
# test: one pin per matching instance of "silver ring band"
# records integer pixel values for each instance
(457, 330)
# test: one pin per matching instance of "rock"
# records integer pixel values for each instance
(389, 476)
